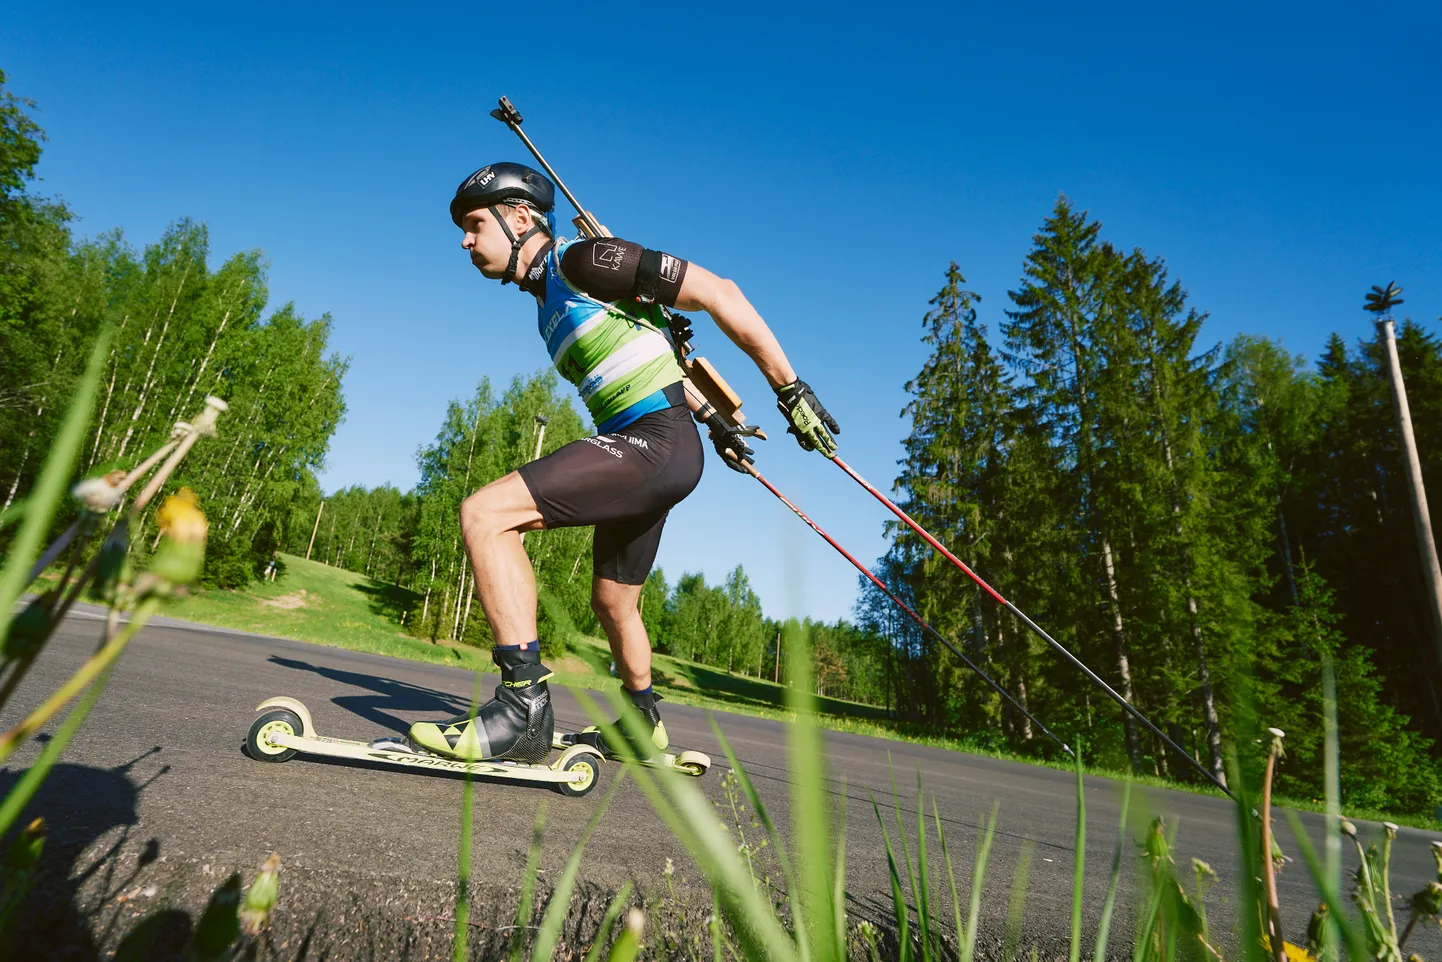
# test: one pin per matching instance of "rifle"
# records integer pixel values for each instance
(703, 382)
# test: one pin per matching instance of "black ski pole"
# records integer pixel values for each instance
(751, 470)
(1056, 645)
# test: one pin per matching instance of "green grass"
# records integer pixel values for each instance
(348, 610)
(329, 606)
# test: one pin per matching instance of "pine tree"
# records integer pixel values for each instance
(1056, 335)
(951, 475)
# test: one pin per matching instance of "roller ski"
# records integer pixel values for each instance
(510, 736)
(649, 751)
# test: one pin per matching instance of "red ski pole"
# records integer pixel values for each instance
(1056, 645)
(751, 470)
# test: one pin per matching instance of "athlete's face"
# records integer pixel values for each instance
(489, 247)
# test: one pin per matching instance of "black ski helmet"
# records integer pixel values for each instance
(503, 182)
(507, 183)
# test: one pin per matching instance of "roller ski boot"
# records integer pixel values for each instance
(649, 750)
(517, 725)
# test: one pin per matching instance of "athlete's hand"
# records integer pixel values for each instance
(810, 424)
(730, 443)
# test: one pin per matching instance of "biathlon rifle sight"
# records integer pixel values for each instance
(701, 375)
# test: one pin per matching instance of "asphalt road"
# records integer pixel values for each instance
(155, 803)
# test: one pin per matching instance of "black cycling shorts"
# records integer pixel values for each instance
(624, 483)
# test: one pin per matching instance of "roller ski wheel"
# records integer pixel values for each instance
(586, 767)
(284, 729)
(278, 721)
(694, 764)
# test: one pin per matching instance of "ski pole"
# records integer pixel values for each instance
(1056, 645)
(751, 470)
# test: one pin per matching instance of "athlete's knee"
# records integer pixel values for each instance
(610, 605)
(479, 516)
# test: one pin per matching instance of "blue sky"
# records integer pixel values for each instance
(831, 159)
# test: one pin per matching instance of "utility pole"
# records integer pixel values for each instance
(1380, 302)
(314, 529)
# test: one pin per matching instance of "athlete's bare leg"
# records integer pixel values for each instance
(615, 607)
(492, 520)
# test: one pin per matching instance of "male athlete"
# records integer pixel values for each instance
(598, 308)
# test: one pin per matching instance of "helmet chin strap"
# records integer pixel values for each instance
(516, 242)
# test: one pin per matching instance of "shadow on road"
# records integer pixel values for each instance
(82, 805)
(393, 704)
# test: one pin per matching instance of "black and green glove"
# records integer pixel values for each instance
(810, 424)
(730, 442)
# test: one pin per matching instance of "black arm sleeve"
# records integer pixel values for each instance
(611, 269)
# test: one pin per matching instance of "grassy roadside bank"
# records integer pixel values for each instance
(331, 606)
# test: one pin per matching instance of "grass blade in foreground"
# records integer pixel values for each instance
(693, 820)
(528, 886)
(783, 859)
(978, 875)
(1012, 938)
(923, 908)
(608, 921)
(1356, 944)
(1104, 926)
(898, 896)
(461, 947)
(560, 904)
(50, 485)
(950, 876)
(1079, 868)
(19, 796)
(811, 815)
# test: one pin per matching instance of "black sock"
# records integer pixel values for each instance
(645, 700)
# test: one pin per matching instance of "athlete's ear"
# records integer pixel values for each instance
(525, 219)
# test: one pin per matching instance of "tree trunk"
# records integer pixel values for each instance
(150, 371)
(109, 390)
(1124, 669)
(426, 607)
(1209, 704)
(1286, 547)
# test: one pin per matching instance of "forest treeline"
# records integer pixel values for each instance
(1200, 523)
(182, 330)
